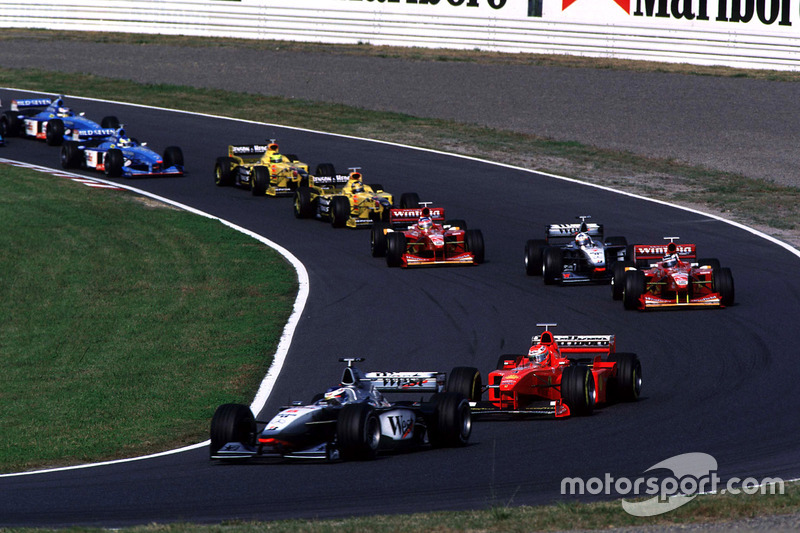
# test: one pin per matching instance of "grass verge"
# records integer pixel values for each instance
(124, 325)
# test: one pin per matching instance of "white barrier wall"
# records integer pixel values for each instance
(741, 33)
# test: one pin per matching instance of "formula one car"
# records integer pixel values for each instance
(118, 155)
(669, 276)
(574, 253)
(354, 205)
(561, 375)
(265, 171)
(50, 120)
(352, 420)
(422, 237)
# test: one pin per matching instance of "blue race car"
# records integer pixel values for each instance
(114, 153)
(49, 120)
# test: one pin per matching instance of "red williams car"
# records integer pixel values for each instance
(669, 276)
(561, 375)
(352, 420)
(422, 237)
(574, 253)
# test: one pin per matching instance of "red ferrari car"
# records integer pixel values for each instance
(422, 237)
(669, 276)
(561, 375)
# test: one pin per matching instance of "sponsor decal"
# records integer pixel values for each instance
(494, 4)
(249, 149)
(624, 4)
(767, 12)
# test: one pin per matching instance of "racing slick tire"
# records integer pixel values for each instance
(628, 384)
(377, 238)
(260, 181)
(232, 422)
(376, 187)
(54, 132)
(451, 423)
(466, 381)
(534, 252)
(723, 284)
(223, 171)
(70, 155)
(577, 389)
(552, 265)
(618, 278)
(325, 169)
(303, 204)
(473, 242)
(114, 162)
(395, 248)
(340, 211)
(291, 157)
(109, 122)
(633, 288)
(10, 124)
(173, 157)
(409, 200)
(456, 223)
(506, 361)
(358, 432)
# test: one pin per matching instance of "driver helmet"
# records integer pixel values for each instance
(123, 140)
(357, 187)
(336, 396)
(63, 111)
(671, 260)
(581, 239)
(425, 223)
(275, 158)
(538, 354)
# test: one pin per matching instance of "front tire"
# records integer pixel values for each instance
(633, 289)
(534, 252)
(260, 181)
(340, 211)
(232, 422)
(358, 432)
(628, 383)
(395, 248)
(113, 162)
(552, 265)
(577, 390)
(377, 238)
(723, 284)
(618, 278)
(54, 132)
(451, 423)
(473, 240)
(70, 155)
(303, 205)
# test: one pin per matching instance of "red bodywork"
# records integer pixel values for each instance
(523, 386)
(686, 284)
(439, 245)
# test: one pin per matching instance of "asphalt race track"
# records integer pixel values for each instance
(721, 382)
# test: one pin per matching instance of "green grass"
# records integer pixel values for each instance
(124, 326)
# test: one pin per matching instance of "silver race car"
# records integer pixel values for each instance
(574, 253)
(350, 421)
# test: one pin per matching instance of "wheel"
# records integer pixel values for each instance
(534, 252)
(358, 432)
(232, 422)
(10, 124)
(395, 248)
(340, 211)
(325, 169)
(260, 181)
(456, 223)
(113, 162)
(173, 157)
(628, 383)
(617, 241)
(54, 133)
(303, 204)
(713, 263)
(506, 361)
(409, 200)
(451, 423)
(291, 157)
(377, 238)
(376, 187)
(632, 289)
(552, 265)
(110, 122)
(577, 389)
(617, 278)
(473, 242)
(466, 381)
(723, 284)
(70, 155)
(223, 171)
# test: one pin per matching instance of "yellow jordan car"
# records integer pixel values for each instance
(354, 205)
(266, 171)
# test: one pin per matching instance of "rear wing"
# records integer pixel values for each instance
(651, 253)
(247, 150)
(16, 105)
(405, 217)
(407, 381)
(565, 233)
(582, 343)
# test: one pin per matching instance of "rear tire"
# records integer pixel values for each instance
(633, 289)
(173, 157)
(395, 248)
(223, 171)
(451, 423)
(54, 133)
(113, 162)
(534, 251)
(232, 422)
(10, 124)
(409, 200)
(109, 122)
(358, 432)
(466, 381)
